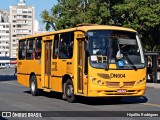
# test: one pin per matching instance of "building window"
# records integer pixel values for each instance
(14, 45)
(24, 16)
(29, 16)
(19, 26)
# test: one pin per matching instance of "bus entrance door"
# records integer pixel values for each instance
(80, 65)
(47, 60)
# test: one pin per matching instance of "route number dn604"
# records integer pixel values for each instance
(114, 75)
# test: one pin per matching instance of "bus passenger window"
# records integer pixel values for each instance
(22, 50)
(38, 48)
(38, 53)
(30, 50)
(55, 46)
(66, 46)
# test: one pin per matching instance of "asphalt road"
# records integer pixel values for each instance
(14, 97)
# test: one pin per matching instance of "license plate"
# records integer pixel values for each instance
(121, 91)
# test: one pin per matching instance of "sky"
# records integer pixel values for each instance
(39, 5)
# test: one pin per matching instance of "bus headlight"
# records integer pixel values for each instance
(93, 79)
(140, 82)
(99, 82)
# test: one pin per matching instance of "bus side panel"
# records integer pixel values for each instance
(25, 68)
(56, 84)
(21, 73)
(22, 79)
(59, 69)
(39, 82)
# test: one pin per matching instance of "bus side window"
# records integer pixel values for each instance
(22, 50)
(66, 45)
(38, 48)
(30, 49)
(55, 46)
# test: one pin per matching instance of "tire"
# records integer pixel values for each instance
(33, 86)
(69, 91)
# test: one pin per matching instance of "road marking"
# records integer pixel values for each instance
(10, 83)
(150, 104)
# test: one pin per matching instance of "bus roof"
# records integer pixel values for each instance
(82, 27)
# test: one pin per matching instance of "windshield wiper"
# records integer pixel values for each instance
(130, 62)
(108, 54)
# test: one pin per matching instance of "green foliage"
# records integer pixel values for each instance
(48, 19)
(68, 13)
(141, 15)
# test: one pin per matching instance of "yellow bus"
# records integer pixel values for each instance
(82, 61)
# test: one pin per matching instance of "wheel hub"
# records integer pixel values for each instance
(33, 87)
(70, 90)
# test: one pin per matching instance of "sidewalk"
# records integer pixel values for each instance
(153, 85)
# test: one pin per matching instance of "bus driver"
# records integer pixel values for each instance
(120, 52)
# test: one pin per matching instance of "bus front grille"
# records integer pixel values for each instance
(117, 84)
(112, 84)
(129, 84)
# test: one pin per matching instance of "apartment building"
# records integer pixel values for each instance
(21, 19)
(4, 33)
(4, 38)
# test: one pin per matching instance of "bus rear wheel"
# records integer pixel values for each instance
(33, 86)
(69, 91)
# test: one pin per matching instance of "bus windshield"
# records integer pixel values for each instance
(122, 48)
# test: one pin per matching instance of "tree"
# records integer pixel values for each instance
(48, 19)
(68, 13)
(143, 16)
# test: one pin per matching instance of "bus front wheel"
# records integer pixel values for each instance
(69, 91)
(33, 86)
